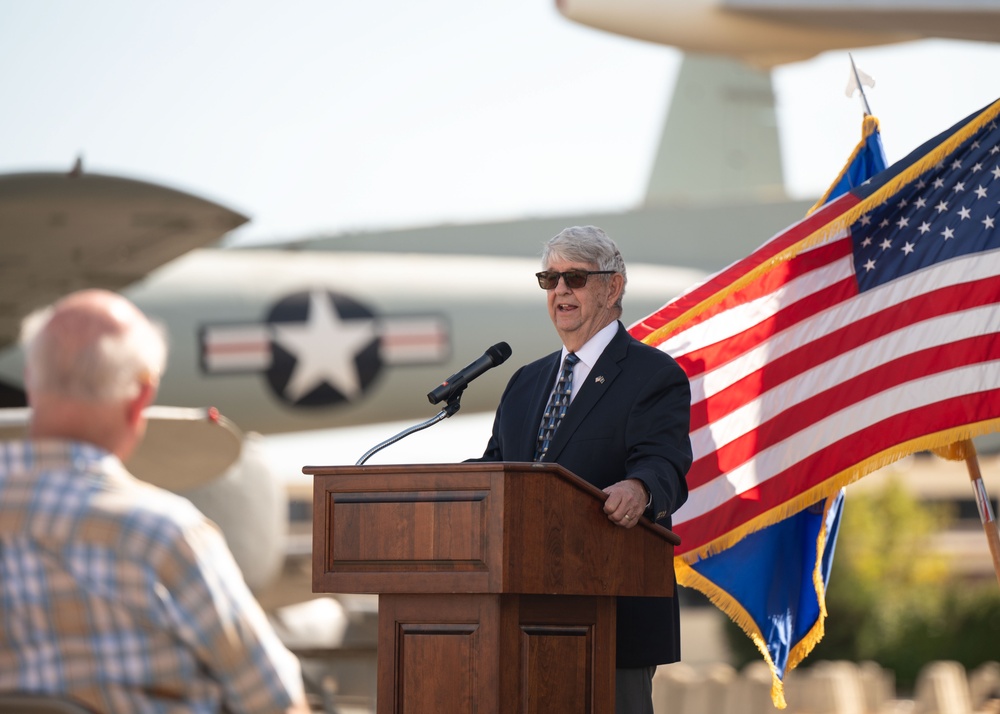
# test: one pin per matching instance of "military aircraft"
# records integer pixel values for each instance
(358, 328)
(279, 339)
(304, 342)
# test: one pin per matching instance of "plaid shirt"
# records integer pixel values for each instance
(123, 596)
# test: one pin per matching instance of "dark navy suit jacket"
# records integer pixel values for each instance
(630, 419)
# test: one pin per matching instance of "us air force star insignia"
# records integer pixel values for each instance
(318, 348)
(599, 379)
(319, 357)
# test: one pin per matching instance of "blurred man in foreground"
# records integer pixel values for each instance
(114, 593)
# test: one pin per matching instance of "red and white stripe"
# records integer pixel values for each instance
(798, 378)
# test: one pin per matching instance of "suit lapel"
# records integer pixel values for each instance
(599, 381)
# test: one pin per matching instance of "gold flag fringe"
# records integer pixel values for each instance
(729, 605)
(959, 451)
(838, 225)
(689, 577)
(868, 127)
(928, 442)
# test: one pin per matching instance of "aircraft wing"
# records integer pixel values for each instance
(212, 444)
(766, 33)
(957, 19)
(64, 231)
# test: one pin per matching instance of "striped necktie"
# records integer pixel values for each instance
(557, 406)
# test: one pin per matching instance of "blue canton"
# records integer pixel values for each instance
(951, 210)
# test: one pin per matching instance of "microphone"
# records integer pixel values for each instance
(495, 355)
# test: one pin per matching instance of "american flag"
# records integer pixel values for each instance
(863, 333)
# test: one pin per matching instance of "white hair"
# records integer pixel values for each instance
(110, 368)
(587, 244)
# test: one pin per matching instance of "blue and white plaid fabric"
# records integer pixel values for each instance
(123, 596)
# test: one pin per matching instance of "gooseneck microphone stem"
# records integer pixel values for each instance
(454, 404)
(449, 391)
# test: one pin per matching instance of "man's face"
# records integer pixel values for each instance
(579, 314)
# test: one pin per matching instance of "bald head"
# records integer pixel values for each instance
(93, 363)
(93, 346)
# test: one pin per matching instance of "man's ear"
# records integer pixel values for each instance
(617, 286)
(135, 407)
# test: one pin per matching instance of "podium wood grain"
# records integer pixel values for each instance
(496, 582)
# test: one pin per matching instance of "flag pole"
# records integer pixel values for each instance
(861, 87)
(983, 503)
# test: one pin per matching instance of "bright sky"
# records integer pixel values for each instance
(318, 116)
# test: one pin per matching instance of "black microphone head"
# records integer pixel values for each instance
(499, 353)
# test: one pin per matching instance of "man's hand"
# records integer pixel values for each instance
(626, 502)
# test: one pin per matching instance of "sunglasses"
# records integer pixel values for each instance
(548, 279)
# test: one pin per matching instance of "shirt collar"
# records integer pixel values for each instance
(595, 346)
(43, 454)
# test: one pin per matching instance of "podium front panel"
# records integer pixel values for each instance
(407, 532)
(563, 659)
(496, 654)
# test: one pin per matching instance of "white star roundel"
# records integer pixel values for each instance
(324, 348)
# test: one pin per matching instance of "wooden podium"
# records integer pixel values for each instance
(496, 582)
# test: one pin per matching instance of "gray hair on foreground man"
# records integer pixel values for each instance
(92, 360)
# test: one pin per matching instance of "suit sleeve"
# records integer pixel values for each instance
(658, 442)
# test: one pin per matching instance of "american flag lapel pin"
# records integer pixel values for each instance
(599, 379)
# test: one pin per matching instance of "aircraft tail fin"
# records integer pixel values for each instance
(720, 139)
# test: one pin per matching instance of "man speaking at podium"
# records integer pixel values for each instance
(613, 411)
